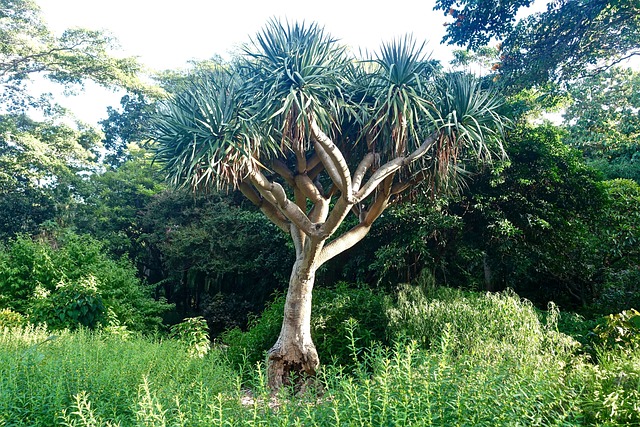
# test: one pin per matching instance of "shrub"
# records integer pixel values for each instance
(70, 306)
(9, 318)
(193, 332)
(345, 313)
(611, 388)
(31, 272)
(245, 349)
(476, 323)
(619, 330)
(24, 265)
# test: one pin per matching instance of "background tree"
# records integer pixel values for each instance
(40, 171)
(343, 136)
(28, 49)
(43, 162)
(531, 225)
(571, 39)
(603, 121)
(215, 251)
(528, 223)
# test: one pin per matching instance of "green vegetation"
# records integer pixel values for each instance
(509, 300)
(67, 281)
(496, 364)
(342, 315)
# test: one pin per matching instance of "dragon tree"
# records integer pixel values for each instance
(311, 135)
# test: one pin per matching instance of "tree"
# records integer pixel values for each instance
(211, 244)
(572, 38)
(28, 48)
(343, 136)
(126, 126)
(113, 204)
(531, 225)
(604, 121)
(40, 163)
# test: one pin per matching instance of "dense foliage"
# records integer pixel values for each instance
(493, 361)
(572, 38)
(126, 302)
(66, 281)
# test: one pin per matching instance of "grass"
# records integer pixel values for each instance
(41, 374)
(496, 364)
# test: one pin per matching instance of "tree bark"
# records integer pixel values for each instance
(293, 359)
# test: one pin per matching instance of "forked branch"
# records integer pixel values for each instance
(333, 160)
(274, 193)
(394, 165)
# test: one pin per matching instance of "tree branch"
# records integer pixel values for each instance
(338, 161)
(281, 169)
(362, 169)
(298, 239)
(393, 165)
(337, 215)
(301, 160)
(604, 68)
(269, 210)
(273, 192)
(344, 242)
(308, 188)
(380, 203)
(329, 166)
(319, 211)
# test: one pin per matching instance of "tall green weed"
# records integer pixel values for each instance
(479, 324)
(41, 374)
(85, 378)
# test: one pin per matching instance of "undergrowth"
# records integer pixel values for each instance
(496, 364)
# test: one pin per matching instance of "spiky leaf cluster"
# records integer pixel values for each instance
(292, 75)
(204, 137)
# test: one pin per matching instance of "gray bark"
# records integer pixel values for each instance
(294, 355)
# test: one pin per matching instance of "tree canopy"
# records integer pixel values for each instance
(572, 38)
(28, 48)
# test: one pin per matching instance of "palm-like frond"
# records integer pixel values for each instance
(202, 136)
(294, 72)
(397, 87)
(219, 128)
(466, 117)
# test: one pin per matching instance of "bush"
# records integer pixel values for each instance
(70, 306)
(194, 333)
(619, 330)
(474, 322)
(611, 394)
(338, 315)
(10, 319)
(245, 349)
(346, 313)
(32, 271)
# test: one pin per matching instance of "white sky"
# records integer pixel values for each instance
(165, 35)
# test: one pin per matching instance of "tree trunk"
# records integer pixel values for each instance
(293, 358)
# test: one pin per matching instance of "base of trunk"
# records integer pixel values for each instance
(292, 365)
